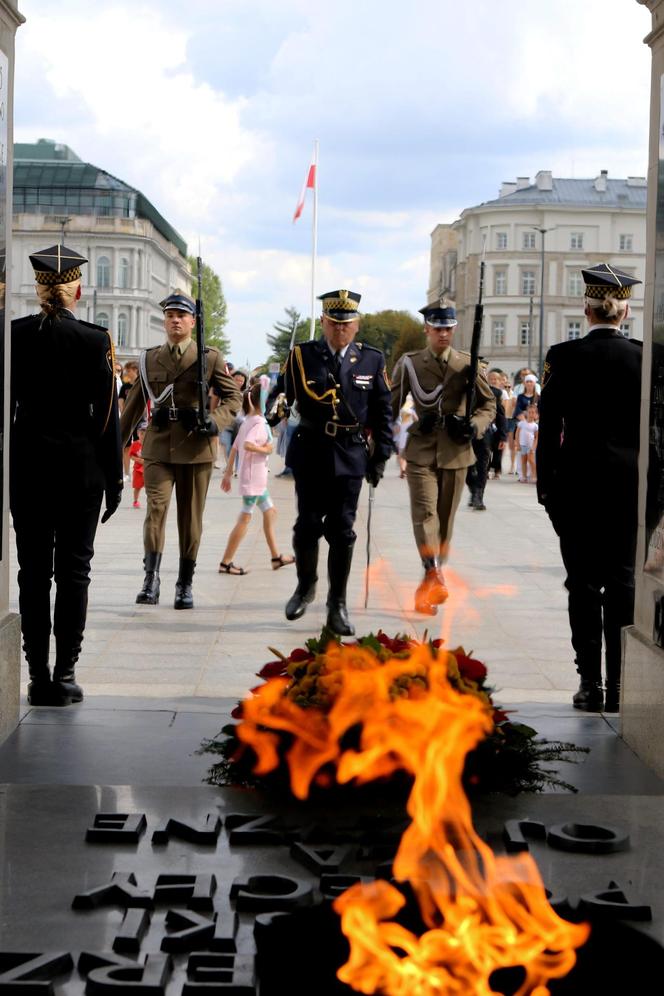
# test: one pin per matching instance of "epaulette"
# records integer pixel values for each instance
(90, 325)
(463, 352)
(365, 345)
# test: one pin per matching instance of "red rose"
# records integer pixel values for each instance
(236, 713)
(470, 669)
(392, 643)
(299, 655)
(273, 669)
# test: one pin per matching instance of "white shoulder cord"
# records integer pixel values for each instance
(165, 394)
(428, 399)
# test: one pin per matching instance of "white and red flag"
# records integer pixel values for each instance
(309, 184)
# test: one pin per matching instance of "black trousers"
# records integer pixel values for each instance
(476, 476)
(326, 507)
(599, 559)
(55, 531)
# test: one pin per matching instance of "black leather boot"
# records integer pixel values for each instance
(306, 564)
(184, 598)
(149, 593)
(338, 568)
(612, 697)
(590, 696)
(40, 689)
(65, 688)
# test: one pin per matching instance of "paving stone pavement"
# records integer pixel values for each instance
(507, 601)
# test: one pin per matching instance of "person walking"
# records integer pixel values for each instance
(253, 445)
(344, 435)
(55, 500)
(177, 449)
(439, 448)
(589, 485)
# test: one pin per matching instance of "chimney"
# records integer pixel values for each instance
(600, 181)
(522, 182)
(507, 187)
(544, 180)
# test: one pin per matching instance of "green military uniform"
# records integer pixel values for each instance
(174, 452)
(436, 461)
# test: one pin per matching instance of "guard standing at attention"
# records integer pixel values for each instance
(587, 477)
(344, 435)
(439, 448)
(177, 449)
(65, 456)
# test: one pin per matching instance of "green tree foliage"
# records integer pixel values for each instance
(386, 329)
(280, 339)
(409, 339)
(214, 306)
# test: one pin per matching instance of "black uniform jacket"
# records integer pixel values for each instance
(588, 441)
(359, 396)
(64, 407)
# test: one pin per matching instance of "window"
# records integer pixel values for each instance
(576, 240)
(528, 282)
(498, 332)
(574, 329)
(626, 329)
(524, 333)
(500, 282)
(123, 272)
(501, 240)
(575, 286)
(123, 330)
(101, 318)
(626, 243)
(528, 240)
(103, 272)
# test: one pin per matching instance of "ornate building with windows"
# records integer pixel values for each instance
(548, 227)
(135, 256)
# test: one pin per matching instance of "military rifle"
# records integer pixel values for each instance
(201, 379)
(475, 346)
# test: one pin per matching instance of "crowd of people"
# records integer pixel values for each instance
(451, 421)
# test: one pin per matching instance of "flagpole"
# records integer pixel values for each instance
(314, 245)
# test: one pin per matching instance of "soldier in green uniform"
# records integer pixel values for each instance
(439, 448)
(177, 451)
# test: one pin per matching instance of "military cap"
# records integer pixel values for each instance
(57, 265)
(604, 280)
(439, 316)
(177, 301)
(340, 305)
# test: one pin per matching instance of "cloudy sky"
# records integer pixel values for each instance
(422, 108)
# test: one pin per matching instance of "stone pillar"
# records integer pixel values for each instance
(643, 663)
(10, 630)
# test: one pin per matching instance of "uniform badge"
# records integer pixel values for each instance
(387, 379)
(353, 359)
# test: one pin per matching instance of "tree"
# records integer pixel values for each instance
(410, 339)
(385, 329)
(214, 306)
(280, 340)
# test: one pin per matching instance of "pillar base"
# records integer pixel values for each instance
(10, 673)
(641, 698)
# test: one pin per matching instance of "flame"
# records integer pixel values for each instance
(482, 912)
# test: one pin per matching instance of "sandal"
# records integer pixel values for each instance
(231, 568)
(281, 561)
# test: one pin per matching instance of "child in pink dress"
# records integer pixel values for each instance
(253, 445)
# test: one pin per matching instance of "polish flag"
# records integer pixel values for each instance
(309, 183)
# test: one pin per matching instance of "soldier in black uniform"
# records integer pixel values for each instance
(587, 477)
(65, 455)
(344, 435)
(483, 448)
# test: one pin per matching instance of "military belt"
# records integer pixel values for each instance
(329, 428)
(162, 414)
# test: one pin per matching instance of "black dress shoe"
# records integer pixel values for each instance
(40, 693)
(337, 619)
(296, 605)
(612, 698)
(589, 697)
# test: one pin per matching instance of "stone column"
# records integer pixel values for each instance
(10, 630)
(643, 659)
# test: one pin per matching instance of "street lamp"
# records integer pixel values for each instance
(540, 362)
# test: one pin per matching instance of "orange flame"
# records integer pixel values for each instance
(483, 912)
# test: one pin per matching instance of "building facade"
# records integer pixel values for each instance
(552, 228)
(135, 256)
